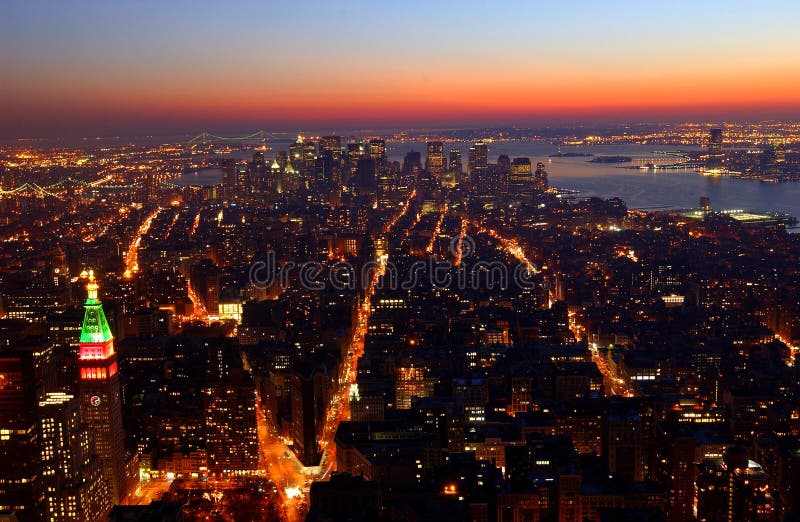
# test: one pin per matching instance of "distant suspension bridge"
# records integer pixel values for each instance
(207, 137)
(53, 189)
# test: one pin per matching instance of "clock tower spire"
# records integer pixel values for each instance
(99, 388)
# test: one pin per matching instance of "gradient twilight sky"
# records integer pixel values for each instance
(145, 66)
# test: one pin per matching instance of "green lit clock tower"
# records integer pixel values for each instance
(101, 404)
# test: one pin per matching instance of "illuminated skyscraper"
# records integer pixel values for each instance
(291, 177)
(230, 415)
(98, 385)
(258, 174)
(330, 163)
(477, 165)
(309, 154)
(275, 177)
(734, 488)
(769, 160)
(377, 153)
(229, 178)
(75, 489)
(355, 152)
(331, 146)
(323, 169)
(411, 382)
(243, 189)
(540, 177)
(434, 163)
(780, 153)
(520, 181)
(377, 150)
(455, 164)
(281, 158)
(296, 151)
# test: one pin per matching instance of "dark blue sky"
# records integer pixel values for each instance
(99, 66)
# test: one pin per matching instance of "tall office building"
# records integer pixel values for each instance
(540, 177)
(455, 165)
(331, 146)
(231, 431)
(355, 152)
(229, 178)
(275, 179)
(520, 180)
(386, 177)
(477, 165)
(365, 174)
(780, 153)
(377, 153)
(768, 162)
(377, 150)
(291, 179)
(504, 163)
(98, 386)
(281, 158)
(258, 158)
(21, 488)
(715, 142)
(307, 392)
(715, 155)
(244, 188)
(330, 161)
(412, 163)
(309, 154)
(679, 454)
(230, 415)
(258, 174)
(323, 172)
(411, 381)
(74, 486)
(296, 153)
(434, 163)
(734, 489)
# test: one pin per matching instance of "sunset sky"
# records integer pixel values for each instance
(119, 67)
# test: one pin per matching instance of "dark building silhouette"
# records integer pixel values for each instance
(412, 163)
(345, 497)
(734, 489)
(21, 484)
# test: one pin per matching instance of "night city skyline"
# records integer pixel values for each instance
(446, 261)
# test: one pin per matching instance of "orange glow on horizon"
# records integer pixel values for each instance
(376, 97)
